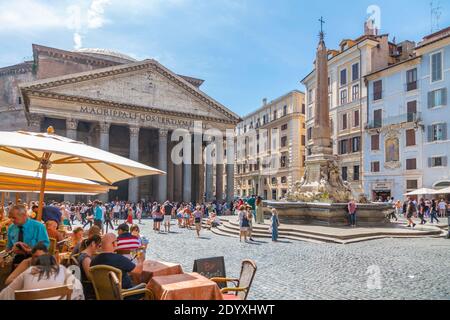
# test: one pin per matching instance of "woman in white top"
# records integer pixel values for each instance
(45, 274)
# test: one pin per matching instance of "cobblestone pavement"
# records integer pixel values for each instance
(410, 268)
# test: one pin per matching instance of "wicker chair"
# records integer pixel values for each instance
(103, 287)
(120, 294)
(242, 285)
(63, 292)
(52, 247)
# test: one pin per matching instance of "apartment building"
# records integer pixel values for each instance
(407, 131)
(271, 143)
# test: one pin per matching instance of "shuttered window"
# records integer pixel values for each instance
(437, 98)
(436, 67)
(411, 164)
(378, 118)
(378, 90)
(437, 132)
(410, 137)
(435, 162)
(412, 111)
(375, 166)
(375, 142)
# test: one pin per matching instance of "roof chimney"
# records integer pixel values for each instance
(264, 101)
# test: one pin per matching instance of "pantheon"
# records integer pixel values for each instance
(114, 102)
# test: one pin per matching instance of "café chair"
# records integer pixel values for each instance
(103, 287)
(2, 245)
(63, 292)
(242, 285)
(120, 294)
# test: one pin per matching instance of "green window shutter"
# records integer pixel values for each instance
(430, 162)
(430, 133)
(444, 131)
(444, 96)
(430, 99)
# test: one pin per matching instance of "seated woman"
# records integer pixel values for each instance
(46, 273)
(90, 247)
(76, 240)
(37, 251)
(52, 230)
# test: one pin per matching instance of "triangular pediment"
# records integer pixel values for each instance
(146, 84)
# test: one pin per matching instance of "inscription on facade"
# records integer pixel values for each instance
(143, 117)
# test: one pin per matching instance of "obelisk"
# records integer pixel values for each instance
(322, 180)
(321, 133)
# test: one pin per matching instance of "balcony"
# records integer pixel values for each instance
(388, 121)
(410, 86)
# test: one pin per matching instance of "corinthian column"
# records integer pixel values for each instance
(162, 165)
(133, 185)
(104, 135)
(35, 122)
(71, 128)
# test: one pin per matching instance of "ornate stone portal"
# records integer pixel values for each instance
(322, 180)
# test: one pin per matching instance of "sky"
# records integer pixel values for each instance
(245, 50)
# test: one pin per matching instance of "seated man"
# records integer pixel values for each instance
(52, 230)
(37, 251)
(110, 258)
(24, 234)
(126, 242)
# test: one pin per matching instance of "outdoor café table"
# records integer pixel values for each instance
(153, 268)
(186, 286)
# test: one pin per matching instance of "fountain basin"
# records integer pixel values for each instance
(329, 214)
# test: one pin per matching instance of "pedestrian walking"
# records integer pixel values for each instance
(250, 215)
(410, 210)
(198, 216)
(259, 211)
(274, 224)
(422, 211)
(433, 211)
(167, 208)
(243, 223)
(139, 212)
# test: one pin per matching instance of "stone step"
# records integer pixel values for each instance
(232, 234)
(287, 229)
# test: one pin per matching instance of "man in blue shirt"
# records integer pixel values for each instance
(98, 215)
(24, 234)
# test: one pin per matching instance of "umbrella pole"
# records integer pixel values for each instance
(44, 166)
(17, 198)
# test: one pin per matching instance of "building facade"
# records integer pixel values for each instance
(348, 97)
(128, 107)
(407, 131)
(271, 141)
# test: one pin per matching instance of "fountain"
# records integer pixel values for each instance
(321, 197)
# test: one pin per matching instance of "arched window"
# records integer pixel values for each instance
(442, 185)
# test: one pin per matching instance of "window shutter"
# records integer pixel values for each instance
(430, 99)
(430, 162)
(349, 146)
(444, 131)
(430, 133)
(444, 96)
(444, 161)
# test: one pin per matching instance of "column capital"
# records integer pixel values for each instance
(134, 131)
(163, 133)
(104, 127)
(71, 124)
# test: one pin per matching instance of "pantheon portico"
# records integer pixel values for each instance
(132, 108)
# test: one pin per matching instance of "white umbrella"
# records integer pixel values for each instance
(419, 192)
(443, 191)
(51, 153)
(15, 180)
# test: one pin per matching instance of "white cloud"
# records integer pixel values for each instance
(96, 13)
(27, 15)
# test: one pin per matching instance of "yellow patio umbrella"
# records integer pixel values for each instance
(50, 153)
(15, 180)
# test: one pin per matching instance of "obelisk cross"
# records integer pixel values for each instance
(322, 22)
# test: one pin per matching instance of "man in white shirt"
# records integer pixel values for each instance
(116, 212)
(442, 208)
